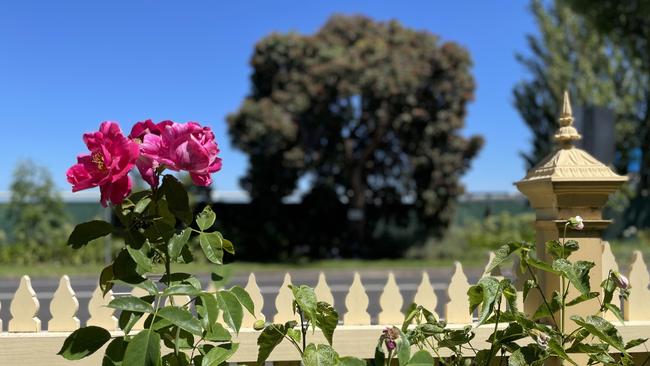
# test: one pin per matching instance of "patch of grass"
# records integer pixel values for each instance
(54, 270)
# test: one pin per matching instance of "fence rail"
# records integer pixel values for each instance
(24, 340)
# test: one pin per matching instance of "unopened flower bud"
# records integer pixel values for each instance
(259, 324)
(390, 344)
(577, 223)
(621, 281)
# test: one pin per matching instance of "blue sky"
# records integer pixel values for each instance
(65, 66)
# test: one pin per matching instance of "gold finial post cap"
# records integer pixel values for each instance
(566, 134)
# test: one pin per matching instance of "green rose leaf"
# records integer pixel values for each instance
(84, 342)
(212, 246)
(233, 312)
(205, 219)
(125, 268)
(172, 359)
(142, 205)
(217, 333)
(320, 355)
(270, 337)
(140, 257)
(219, 354)
(181, 318)
(143, 349)
(131, 303)
(207, 307)
(181, 289)
(106, 279)
(177, 199)
(244, 298)
(177, 242)
(87, 231)
(114, 354)
(128, 319)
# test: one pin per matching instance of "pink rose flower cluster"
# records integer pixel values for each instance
(150, 147)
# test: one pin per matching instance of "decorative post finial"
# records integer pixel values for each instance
(566, 134)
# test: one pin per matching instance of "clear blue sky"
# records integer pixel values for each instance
(65, 66)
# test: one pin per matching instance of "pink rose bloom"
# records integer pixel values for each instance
(147, 166)
(111, 158)
(184, 146)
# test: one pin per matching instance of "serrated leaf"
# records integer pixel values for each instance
(208, 308)
(212, 245)
(177, 199)
(130, 303)
(88, 231)
(228, 247)
(84, 342)
(558, 350)
(142, 205)
(105, 279)
(143, 349)
(181, 318)
(114, 354)
(244, 298)
(205, 219)
(219, 354)
(529, 285)
(181, 289)
(140, 257)
(232, 310)
(177, 242)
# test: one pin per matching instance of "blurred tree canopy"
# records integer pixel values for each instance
(568, 54)
(370, 111)
(35, 214)
(627, 23)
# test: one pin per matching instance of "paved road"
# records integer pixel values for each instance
(269, 283)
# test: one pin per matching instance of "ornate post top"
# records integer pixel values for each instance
(566, 134)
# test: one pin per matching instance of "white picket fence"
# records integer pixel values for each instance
(23, 340)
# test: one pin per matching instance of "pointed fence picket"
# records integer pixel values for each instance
(357, 330)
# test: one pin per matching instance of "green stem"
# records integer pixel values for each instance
(496, 327)
(530, 270)
(303, 330)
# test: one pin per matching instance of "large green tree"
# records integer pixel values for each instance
(372, 111)
(627, 23)
(36, 215)
(569, 54)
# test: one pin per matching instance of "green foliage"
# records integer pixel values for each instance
(593, 334)
(569, 54)
(371, 110)
(155, 225)
(312, 312)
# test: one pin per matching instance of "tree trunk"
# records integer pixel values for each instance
(357, 210)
